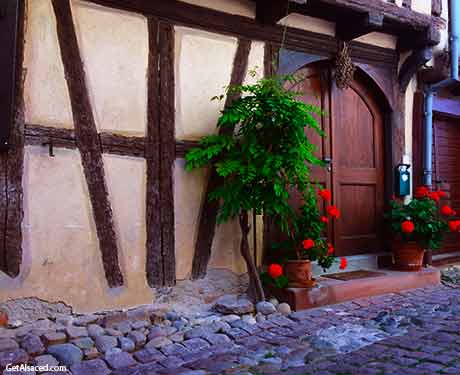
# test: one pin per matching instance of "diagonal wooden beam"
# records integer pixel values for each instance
(12, 160)
(87, 141)
(209, 209)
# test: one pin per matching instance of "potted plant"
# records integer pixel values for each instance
(306, 242)
(418, 225)
(261, 154)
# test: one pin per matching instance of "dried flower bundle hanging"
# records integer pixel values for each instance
(344, 69)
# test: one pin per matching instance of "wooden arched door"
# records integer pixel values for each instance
(354, 142)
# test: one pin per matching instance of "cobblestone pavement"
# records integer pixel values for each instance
(413, 332)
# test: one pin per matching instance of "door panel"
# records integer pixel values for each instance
(358, 172)
(446, 156)
(353, 127)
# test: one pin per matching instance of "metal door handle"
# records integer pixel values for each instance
(328, 162)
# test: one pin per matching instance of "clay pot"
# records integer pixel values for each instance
(3, 319)
(298, 273)
(408, 256)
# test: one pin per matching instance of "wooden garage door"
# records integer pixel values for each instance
(446, 159)
(353, 125)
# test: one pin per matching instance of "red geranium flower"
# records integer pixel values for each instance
(275, 270)
(454, 225)
(446, 210)
(308, 244)
(407, 226)
(421, 192)
(325, 194)
(442, 194)
(330, 249)
(333, 211)
(343, 263)
(434, 196)
(324, 219)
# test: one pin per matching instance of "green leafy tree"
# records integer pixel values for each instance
(261, 155)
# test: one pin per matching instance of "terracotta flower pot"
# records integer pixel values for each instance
(408, 256)
(299, 273)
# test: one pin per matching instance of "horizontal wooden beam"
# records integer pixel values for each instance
(184, 14)
(354, 27)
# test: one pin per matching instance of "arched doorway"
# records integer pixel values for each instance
(353, 122)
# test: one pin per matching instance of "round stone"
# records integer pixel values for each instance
(284, 308)
(67, 354)
(249, 319)
(274, 302)
(230, 304)
(265, 308)
(126, 345)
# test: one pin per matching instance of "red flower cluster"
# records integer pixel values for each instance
(407, 226)
(325, 194)
(333, 211)
(343, 263)
(330, 249)
(447, 211)
(454, 225)
(324, 219)
(424, 192)
(275, 270)
(308, 244)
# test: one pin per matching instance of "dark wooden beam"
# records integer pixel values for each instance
(12, 161)
(436, 8)
(182, 147)
(354, 27)
(411, 66)
(87, 141)
(414, 39)
(190, 15)
(167, 150)
(117, 144)
(154, 264)
(209, 209)
(9, 27)
(269, 12)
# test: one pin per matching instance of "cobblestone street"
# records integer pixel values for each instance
(414, 332)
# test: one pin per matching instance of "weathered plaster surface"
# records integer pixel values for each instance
(255, 63)
(45, 92)
(114, 48)
(203, 69)
(422, 6)
(320, 26)
(61, 260)
(245, 8)
(189, 189)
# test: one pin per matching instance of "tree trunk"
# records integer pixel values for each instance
(255, 290)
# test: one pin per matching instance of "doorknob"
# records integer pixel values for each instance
(328, 162)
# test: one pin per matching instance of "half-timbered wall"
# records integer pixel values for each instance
(112, 213)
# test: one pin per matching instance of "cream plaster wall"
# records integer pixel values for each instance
(203, 69)
(255, 63)
(317, 25)
(114, 48)
(422, 6)
(45, 92)
(245, 8)
(61, 260)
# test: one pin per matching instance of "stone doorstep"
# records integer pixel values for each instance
(332, 291)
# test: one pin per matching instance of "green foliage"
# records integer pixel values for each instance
(307, 224)
(267, 153)
(424, 213)
(280, 282)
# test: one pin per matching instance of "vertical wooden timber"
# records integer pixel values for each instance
(209, 209)
(12, 160)
(87, 141)
(154, 264)
(167, 151)
(436, 8)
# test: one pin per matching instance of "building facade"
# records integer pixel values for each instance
(109, 95)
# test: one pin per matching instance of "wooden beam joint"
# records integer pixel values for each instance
(354, 27)
(411, 65)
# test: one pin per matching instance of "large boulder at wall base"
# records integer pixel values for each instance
(67, 354)
(265, 308)
(230, 304)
